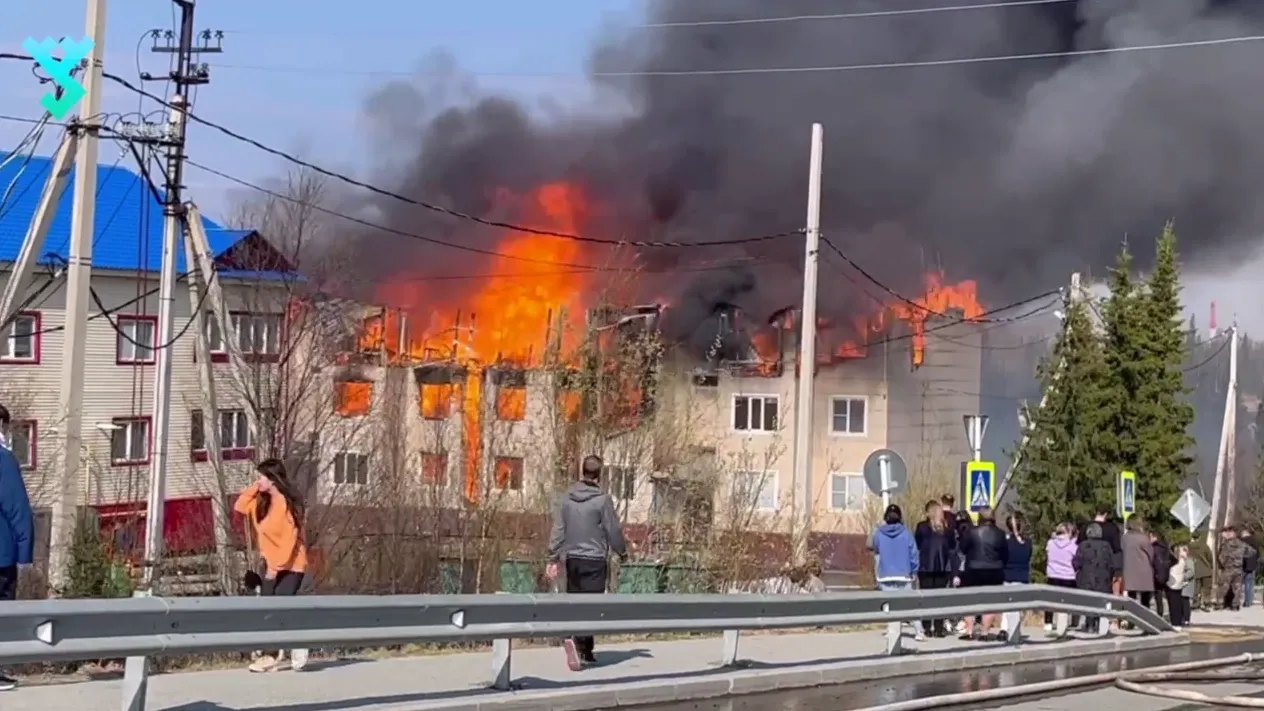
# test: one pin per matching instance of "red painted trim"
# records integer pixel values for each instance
(229, 454)
(32, 442)
(36, 344)
(119, 340)
(149, 447)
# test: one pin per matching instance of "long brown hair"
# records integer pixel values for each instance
(935, 515)
(274, 471)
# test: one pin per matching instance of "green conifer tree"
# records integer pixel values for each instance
(1165, 415)
(1061, 477)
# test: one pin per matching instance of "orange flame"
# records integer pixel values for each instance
(507, 318)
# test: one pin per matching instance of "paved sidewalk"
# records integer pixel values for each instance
(647, 672)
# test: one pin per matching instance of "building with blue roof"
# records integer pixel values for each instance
(121, 341)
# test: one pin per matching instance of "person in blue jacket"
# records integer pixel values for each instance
(896, 550)
(17, 523)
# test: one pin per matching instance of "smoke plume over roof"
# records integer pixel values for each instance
(1013, 173)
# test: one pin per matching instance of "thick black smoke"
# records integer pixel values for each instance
(1013, 173)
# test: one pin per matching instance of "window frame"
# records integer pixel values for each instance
(120, 341)
(767, 477)
(521, 472)
(848, 477)
(628, 476)
(125, 423)
(444, 478)
(849, 399)
(218, 346)
(37, 325)
(763, 398)
(32, 443)
(342, 455)
(226, 454)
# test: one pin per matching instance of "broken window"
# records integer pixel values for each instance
(511, 403)
(436, 400)
(353, 398)
(508, 473)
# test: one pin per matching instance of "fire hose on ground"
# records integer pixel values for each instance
(1138, 681)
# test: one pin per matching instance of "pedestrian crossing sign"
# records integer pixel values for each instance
(980, 486)
(1127, 494)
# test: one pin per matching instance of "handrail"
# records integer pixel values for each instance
(64, 630)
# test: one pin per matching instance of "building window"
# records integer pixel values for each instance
(129, 441)
(257, 336)
(22, 344)
(756, 489)
(434, 469)
(847, 415)
(847, 492)
(351, 468)
(236, 441)
(620, 482)
(755, 413)
(436, 400)
(135, 339)
(508, 473)
(511, 404)
(24, 440)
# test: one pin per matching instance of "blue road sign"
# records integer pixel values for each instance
(980, 486)
(1127, 494)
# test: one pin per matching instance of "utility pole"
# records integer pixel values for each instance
(185, 75)
(807, 346)
(1069, 299)
(1226, 459)
(78, 285)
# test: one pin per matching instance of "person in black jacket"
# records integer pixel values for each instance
(1250, 563)
(1096, 565)
(937, 553)
(986, 553)
(1161, 557)
(1112, 535)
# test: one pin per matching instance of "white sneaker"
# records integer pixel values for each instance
(298, 659)
(920, 637)
(7, 683)
(1049, 628)
(265, 663)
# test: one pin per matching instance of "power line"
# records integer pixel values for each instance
(921, 307)
(439, 208)
(989, 315)
(873, 66)
(574, 268)
(1224, 343)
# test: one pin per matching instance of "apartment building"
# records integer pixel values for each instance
(729, 423)
(117, 437)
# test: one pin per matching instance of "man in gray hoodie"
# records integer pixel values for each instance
(585, 531)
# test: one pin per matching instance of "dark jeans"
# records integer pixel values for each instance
(1178, 607)
(9, 582)
(1075, 620)
(585, 576)
(934, 581)
(1141, 596)
(286, 583)
(1160, 596)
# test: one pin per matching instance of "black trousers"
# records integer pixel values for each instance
(1179, 607)
(9, 582)
(585, 576)
(1160, 597)
(1141, 596)
(1075, 620)
(934, 581)
(286, 583)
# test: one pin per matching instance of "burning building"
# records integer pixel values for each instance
(498, 384)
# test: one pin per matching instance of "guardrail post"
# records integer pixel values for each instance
(502, 658)
(1012, 623)
(1061, 621)
(729, 657)
(135, 683)
(895, 637)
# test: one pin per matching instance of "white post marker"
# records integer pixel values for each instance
(884, 466)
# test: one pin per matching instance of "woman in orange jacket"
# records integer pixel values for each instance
(275, 512)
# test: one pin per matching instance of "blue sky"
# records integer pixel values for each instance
(529, 49)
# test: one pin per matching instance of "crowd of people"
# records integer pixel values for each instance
(950, 548)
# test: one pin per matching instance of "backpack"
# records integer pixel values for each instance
(1176, 576)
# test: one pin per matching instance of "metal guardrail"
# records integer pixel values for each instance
(62, 630)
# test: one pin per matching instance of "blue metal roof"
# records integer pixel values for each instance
(128, 220)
